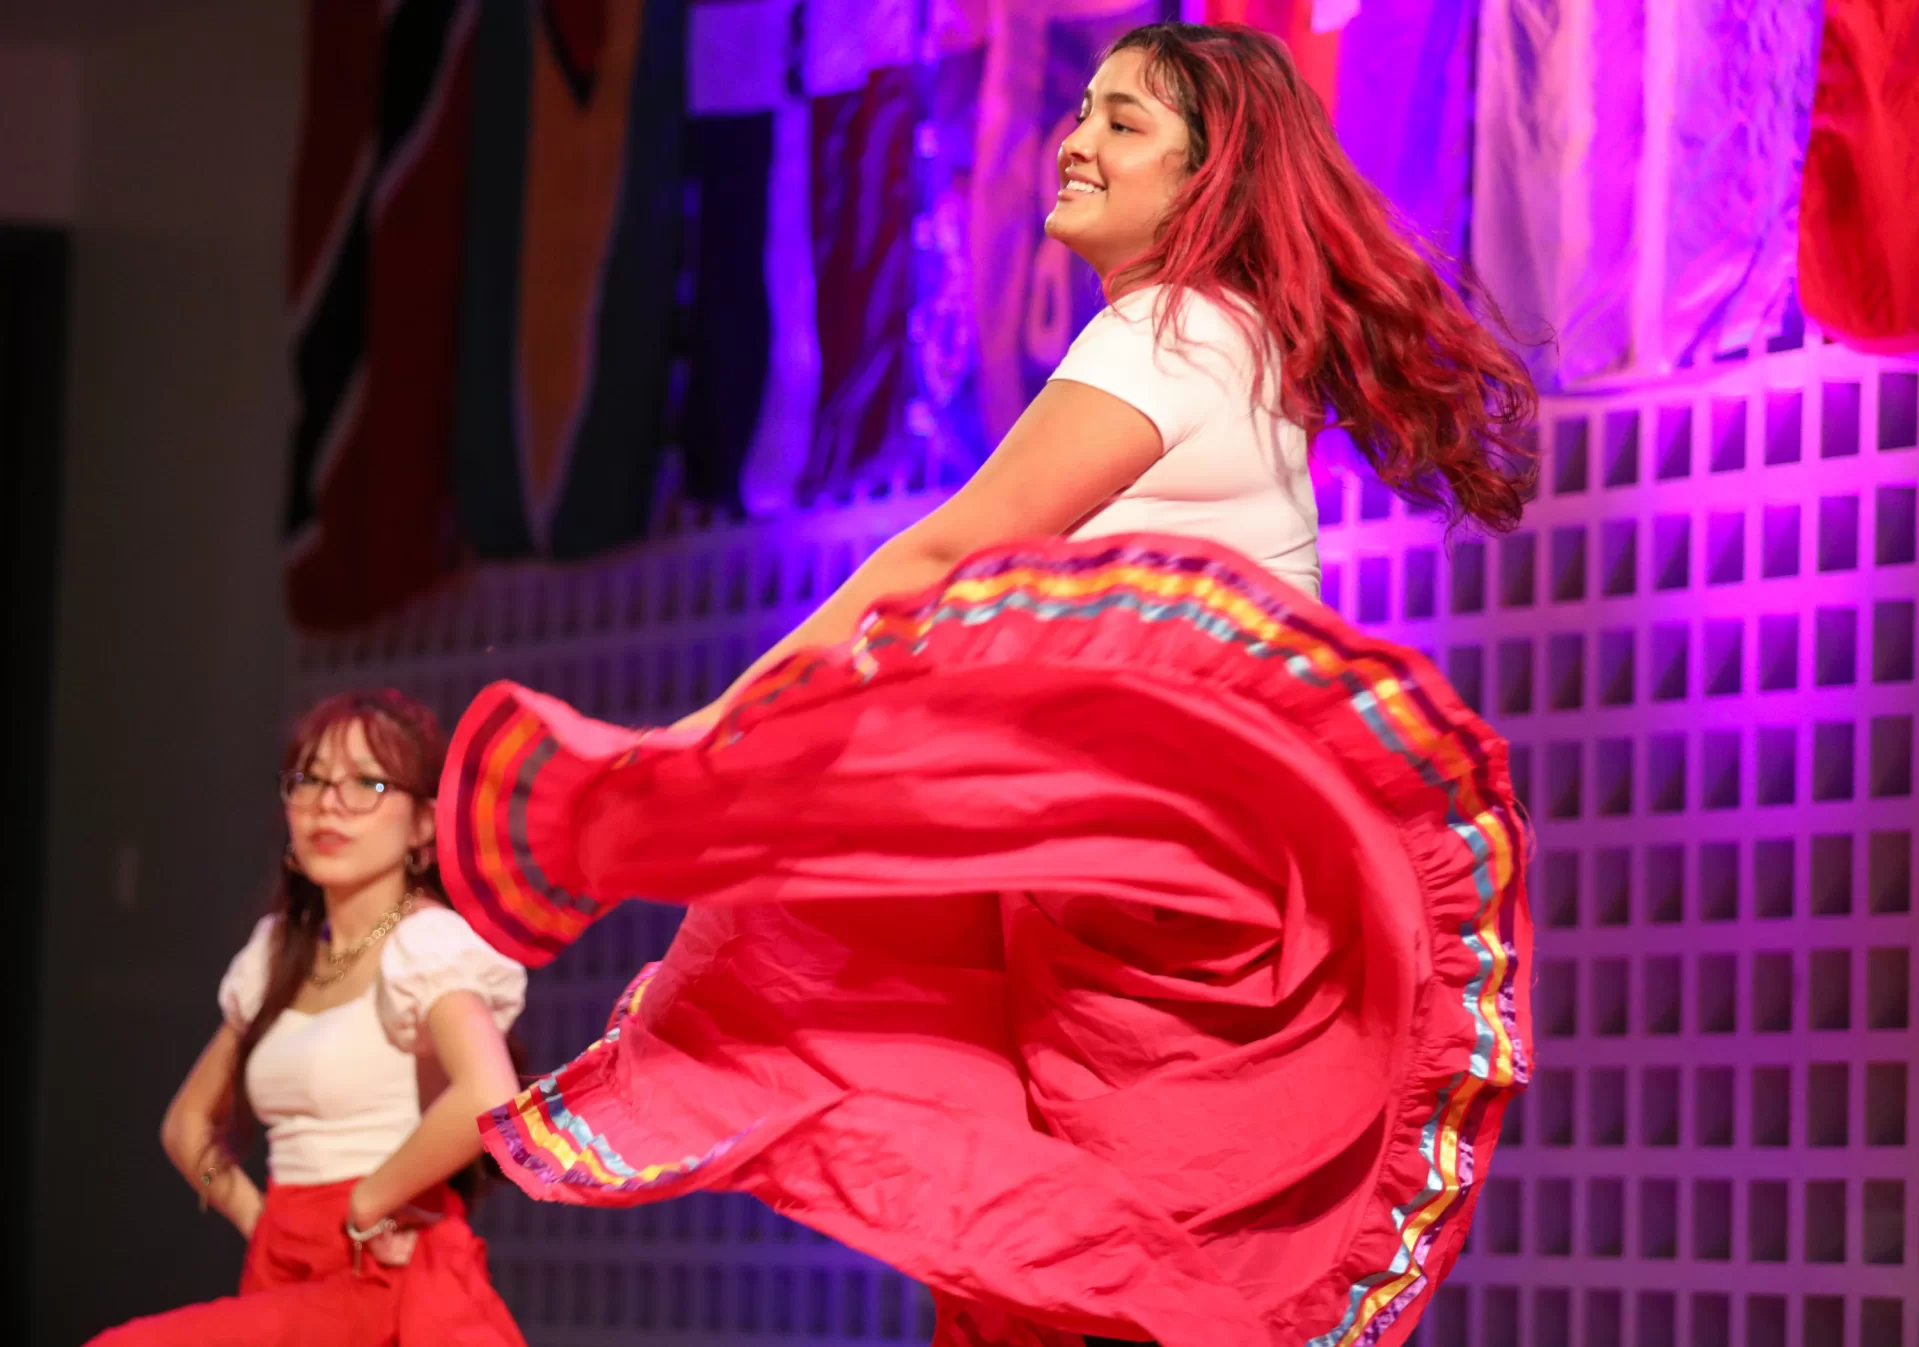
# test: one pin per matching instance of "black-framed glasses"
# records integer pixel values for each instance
(357, 794)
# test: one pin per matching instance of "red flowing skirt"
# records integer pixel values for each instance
(298, 1288)
(1109, 937)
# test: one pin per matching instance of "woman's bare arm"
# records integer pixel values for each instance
(1074, 448)
(190, 1133)
(480, 1076)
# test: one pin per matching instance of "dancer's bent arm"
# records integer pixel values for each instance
(1073, 449)
(480, 1077)
(190, 1134)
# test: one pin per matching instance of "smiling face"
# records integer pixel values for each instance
(1121, 167)
(338, 844)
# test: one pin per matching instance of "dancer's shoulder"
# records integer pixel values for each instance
(432, 953)
(245, 985)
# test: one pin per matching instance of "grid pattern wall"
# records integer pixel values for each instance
(1702, 649)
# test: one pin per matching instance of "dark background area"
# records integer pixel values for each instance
(33, 330)
(144, 152)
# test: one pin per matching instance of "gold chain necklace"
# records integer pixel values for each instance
(340, 962)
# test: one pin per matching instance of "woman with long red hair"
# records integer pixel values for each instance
(1083, 918)
(364, 1027)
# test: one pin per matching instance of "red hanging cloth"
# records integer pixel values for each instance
(1858, 230)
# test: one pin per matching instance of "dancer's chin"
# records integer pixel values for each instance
(1062, 231)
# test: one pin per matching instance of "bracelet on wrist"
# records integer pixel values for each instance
(386, 1225)
(207, 1176)
(361, 1238)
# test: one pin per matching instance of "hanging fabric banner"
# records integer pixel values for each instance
(859, 69)
(374, 263)
(913, 303)
(1030, 295)
(1645, 220)
(1404, 109)
(573, 257)
(484, 256)
(1561, 136)
(755, 338)
(1858, 229)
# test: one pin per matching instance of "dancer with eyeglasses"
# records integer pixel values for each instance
(1082, 918)
(364, 1028)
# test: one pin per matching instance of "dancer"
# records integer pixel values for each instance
(365, 1029)
(1082, 918)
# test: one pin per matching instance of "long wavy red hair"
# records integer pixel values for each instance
(1367, 336)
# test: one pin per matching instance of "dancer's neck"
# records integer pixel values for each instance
(352, 911)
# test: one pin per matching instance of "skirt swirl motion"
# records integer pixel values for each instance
(1109, 937)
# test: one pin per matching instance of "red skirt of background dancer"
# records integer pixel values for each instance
(298, 1288)
(1109, 937)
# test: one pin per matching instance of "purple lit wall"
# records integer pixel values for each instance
(1701, 647)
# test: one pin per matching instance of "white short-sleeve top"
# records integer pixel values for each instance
(1232, 472)
(339, 1090)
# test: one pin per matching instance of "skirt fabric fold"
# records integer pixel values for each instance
(1109, 937)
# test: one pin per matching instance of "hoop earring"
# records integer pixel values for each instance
(293, 861)
(416, 862)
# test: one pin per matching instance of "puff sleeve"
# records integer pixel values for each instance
(245, 985)
(434, 952)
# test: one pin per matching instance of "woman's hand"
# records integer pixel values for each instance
(394, 1245)
(393, 1248)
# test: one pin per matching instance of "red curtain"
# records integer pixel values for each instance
(1316, 54)
(1858, 222)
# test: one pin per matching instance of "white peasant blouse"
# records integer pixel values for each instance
(338, 1090)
